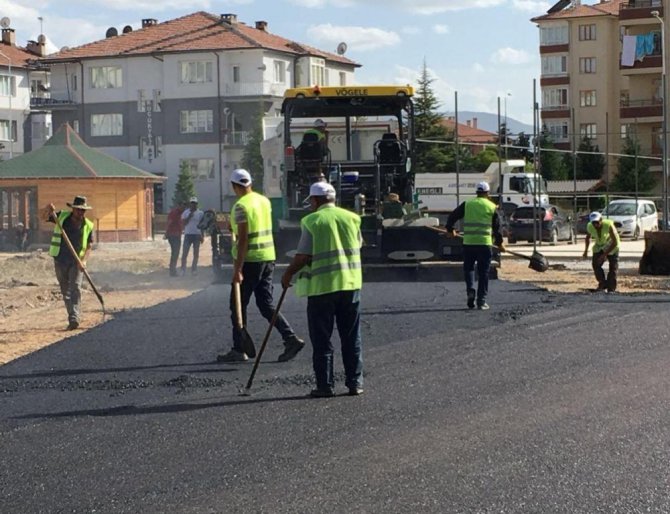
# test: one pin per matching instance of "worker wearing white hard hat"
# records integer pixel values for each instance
(606, 247)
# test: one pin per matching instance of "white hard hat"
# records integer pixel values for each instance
(483, 187)
(595, 216)
(194, 199)
(322, 189)
(320, 123)
(241, 177)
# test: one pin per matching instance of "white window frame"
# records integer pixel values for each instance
(7, 85)
(201, 169)
(587, 65)
(106, 77)
(317, 71)
(558, 130)
(196, 72)
(587, 98)
(105, 125)
(279, 75)
(4, 130)
(554, 65)
(196, 122)
(555, 97)
(554, 35)
(343, 78)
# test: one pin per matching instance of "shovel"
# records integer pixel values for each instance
(247, 343)
(247, 390)
(538, 262)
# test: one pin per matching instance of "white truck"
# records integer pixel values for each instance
(437, 192)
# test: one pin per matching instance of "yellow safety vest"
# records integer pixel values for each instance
(603, 240)
(477, 221)
(56, 237)
(261, 246)
(336, 253)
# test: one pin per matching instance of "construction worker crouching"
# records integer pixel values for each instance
(481, 229)
(606, 247)
(254, 262)
(69, 270)
(328, 268)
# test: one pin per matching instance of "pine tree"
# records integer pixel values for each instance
(252, 159)
(633, 171)
(552, 164)
(185, 188)
(589, 165)
(428, 125)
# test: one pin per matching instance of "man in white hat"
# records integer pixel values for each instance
(193, 236)
(481, 230)
(605, 247)
(328, 265)
(254, 263)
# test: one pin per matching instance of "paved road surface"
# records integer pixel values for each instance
(545, 403)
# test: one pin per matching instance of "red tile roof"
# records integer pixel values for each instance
(17, 55)
(608, 7)
(470, 133)
(194, 32)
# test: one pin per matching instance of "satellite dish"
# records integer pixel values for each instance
(64, 48)
(41, 39)
(5, 22)
(262, 67)
(341, 48)
(127, 29)
(111, 32)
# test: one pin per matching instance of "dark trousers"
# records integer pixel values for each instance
(190, 239)
(175, 245)
(481, 256)
(323, 311)
(608, 283)
(69, 278)
(258, 281)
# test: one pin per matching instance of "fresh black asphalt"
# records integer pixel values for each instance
(545, 403)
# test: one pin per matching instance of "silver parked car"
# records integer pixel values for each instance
(632, 217)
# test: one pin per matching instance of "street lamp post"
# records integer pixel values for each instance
(506, 128)
(656, 15)
(11, 91)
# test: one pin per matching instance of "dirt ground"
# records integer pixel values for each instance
(32, 314)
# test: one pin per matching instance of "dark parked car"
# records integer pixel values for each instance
(555, 226)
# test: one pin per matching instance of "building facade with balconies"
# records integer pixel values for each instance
(185, 92)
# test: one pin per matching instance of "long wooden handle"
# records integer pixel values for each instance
(68, 243)
(238, 304)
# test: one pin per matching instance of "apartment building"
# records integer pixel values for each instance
(23, 126)
(184, 92)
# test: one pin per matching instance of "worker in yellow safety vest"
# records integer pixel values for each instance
(254, 263)
(481, 230)
(605, 247)
(69, 271)
(328, 268)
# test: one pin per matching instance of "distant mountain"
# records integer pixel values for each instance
(489, 122)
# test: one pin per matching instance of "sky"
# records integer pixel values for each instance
(482, 49)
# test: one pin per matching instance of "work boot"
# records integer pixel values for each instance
(232, 356)
(355, 391)
(483, 307)
(471, 298)
(322, 393)
(292, 346)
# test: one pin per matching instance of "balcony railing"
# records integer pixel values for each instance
(641, 4)
(240, 138)
(254, 89)
(37, 102)
(641, 103)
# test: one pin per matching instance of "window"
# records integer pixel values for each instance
(554, 35)
(74, 82)
(106, 77)
(625, 130)
(236, 73)
(587, 98)
(192, 122)
(75, 126)
(343, 78)
(587, 130)
(106, 124)
(318, 72)
(7, 85)
(41, 130)
(587, 65)
(587, 32)
(200, 169)
(558, 130)
(4, 130)
(555, 97)
(195, 72)
(37, 87)
(280, 72)
(554, 64)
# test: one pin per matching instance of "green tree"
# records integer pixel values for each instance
(483, 159)
(252, 160)
(632, 170)
(184, 189)
(590, 165)
(428, 125)
(522, 140)
(552, 164)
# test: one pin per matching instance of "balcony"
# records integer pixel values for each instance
(557, 79)
(640, 9)
(254, 89)
(640, 109)
(238, 138)
(41, 103)
(652, 63)
(555, 111)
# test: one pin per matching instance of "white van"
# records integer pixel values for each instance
(627, 222)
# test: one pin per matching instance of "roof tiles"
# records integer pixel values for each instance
(610, 7)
